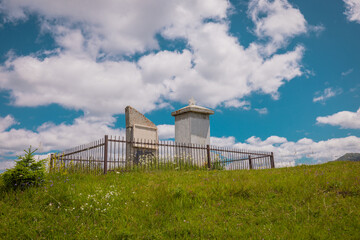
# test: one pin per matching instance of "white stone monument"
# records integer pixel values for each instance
(141, 135)
(192, 124)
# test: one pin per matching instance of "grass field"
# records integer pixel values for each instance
(304, 202)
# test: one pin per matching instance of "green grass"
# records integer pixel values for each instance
(305, 202)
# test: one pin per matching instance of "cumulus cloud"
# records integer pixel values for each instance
(224, 70)
(326, 94)
(222, 141)
(6, 122)
(115, 26)
(344, 119)
(352, 10)
(277, 20)
(99, 88)
(88, 71)
(166, 131)
(50, 137)
(287, 153)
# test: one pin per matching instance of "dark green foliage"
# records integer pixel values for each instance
(27, 172)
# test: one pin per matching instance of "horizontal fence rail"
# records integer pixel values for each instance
(117, 154)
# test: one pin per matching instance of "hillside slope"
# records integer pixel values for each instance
(304, 202)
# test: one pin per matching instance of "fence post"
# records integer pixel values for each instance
(51, 162)
(272, 162)
(250, 163)
(106, 141)
(208, 156)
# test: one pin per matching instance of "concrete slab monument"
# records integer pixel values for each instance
(140, 133)
(192, 124)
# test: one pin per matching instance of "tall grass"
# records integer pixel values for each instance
(146, 162)
(305, 202)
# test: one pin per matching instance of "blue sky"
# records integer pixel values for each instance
(281, 76)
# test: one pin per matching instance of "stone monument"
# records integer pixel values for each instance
(192, 124)
(141, 136)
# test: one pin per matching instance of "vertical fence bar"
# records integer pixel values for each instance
(110, 153)
(123, 150)
(272, 162)
(208, 156)
(51, 162)
(106, 142)
(118, 145)
(250, 163)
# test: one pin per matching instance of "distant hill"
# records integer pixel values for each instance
(353, 157)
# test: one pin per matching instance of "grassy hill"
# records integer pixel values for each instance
(304, 202)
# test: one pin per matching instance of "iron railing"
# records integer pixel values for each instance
(117, 154)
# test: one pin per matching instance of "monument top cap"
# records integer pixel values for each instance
(192, 101)
(192, 108)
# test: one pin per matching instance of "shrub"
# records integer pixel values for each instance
(27, 172)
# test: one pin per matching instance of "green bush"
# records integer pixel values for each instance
(27, 172)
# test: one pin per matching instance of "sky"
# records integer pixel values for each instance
(281, 76)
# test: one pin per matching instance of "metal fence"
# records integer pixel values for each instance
(117, 154)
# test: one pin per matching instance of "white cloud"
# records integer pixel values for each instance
(6, 122)
(352, 10)
(344, 119)
(166, 131)
(237, 104)
(317, 29)
(286, 153)
(216, 69)
(277, 20)
(49, 137)
(6, 165)
(276, 71)
(262, 111)
(98, 88)
(326, 94)
(224, 70)
(115, 26)
(223, 141)
(347, 72)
